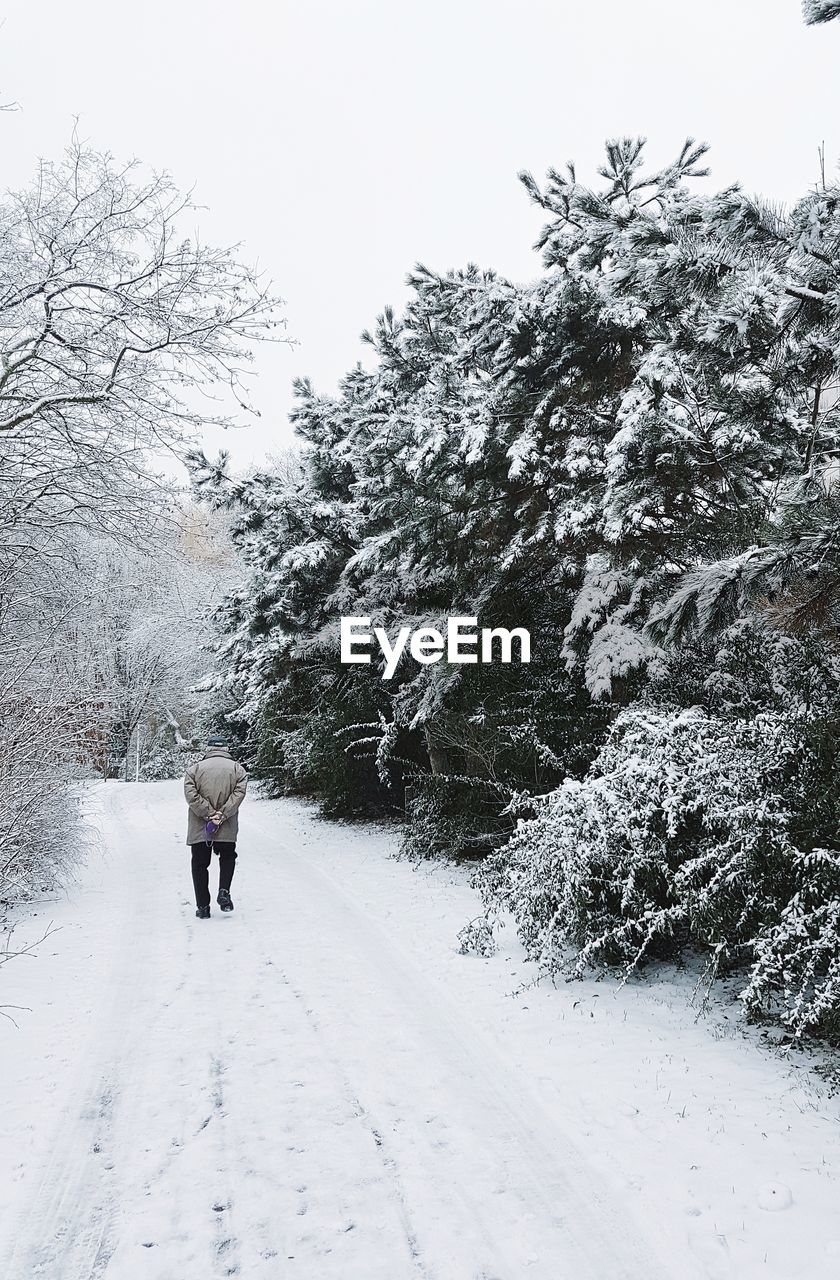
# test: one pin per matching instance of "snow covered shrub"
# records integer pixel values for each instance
(39, 814)
(477, 938)
(297, 758)
(161, 758)
(454, 817)
(49, 732)
(347, 783)
(681, 835)
(796, 971)
(329, 752)
(619, 863)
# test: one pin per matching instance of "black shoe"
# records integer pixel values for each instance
(224, 900)
(203, 913)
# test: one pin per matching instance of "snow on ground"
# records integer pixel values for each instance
(320, 1086)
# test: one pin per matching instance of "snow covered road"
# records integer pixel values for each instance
(319, 1086)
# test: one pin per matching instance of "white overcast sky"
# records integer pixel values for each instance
(343, 141)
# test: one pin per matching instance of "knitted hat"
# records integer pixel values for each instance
(217, 741)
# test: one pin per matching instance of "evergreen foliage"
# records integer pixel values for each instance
(815, 11)
(689, 829)
(633, 456)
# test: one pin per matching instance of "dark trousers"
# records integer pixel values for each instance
(201, 855)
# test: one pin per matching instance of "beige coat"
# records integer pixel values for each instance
(215, 784)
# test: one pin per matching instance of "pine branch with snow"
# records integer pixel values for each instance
(816, 11)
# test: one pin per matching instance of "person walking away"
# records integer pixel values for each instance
(214, 788)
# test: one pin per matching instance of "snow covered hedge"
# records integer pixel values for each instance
(682, 835)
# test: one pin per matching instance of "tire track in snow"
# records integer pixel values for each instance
(226, 1258)
(355, 1120)
(69, 1208)
(591, 1234)
(69, 1223)
(386, 1160)
(254, 954)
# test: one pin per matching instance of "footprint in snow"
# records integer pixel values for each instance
(712, 1249)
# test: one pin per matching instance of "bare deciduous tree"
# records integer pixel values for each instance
(108, 316)
(120, 334)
